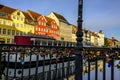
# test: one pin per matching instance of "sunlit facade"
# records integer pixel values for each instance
(13, 22)
(65, 27)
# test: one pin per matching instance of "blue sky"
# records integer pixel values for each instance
(97, 14)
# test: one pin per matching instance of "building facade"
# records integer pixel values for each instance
(12, 23)
(101, 38)
(64, 27)
(74, 30)
(44, 25)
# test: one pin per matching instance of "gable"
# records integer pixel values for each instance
(41, 18)
(17, 16)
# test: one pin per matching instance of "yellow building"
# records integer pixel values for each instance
(14, 22)
(101, 38)
(74, 30)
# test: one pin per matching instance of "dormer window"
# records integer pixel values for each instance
(18, 13)
(3, 14)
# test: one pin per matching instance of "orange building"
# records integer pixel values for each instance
(44, 25)
(53, 29)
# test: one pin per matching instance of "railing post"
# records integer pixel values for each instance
(22, 78)
(88, 65)
(112, 66)
(16, 55)
(30, 66)
(79, 34)
(56, 71)
(63, 72)
(96, 65)
(104, 68)
(68, 67)
(43, 72)
(50, 67)
(0, 62)
(37, 65)
(7, 67)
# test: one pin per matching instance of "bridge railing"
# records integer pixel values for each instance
(30, 62)
(96, 58)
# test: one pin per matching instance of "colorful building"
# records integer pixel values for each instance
(95, 39)
(65, 27)
(74, 30)
(113, 42)
(44, 25)
(13, 22)
(101, 38)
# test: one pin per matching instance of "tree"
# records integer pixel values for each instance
(106, 44)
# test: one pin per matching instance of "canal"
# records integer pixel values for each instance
(100, 71)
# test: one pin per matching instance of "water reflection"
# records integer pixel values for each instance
(100, 70)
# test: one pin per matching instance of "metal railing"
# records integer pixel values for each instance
(27, 62)
(91, 57)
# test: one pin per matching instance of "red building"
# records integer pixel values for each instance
(53, 29)
(44, 25)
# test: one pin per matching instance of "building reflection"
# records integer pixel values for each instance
(100, 66)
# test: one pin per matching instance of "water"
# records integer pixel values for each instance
(100, 72)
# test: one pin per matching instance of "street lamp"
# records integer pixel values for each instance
(78, 53)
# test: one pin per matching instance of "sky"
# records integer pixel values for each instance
(97, 14)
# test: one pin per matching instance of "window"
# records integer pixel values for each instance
(0, 30)
(18, 13)
(13, 32)
(12, 41)
(41, 29)
(25, 26)
(21, 25)
(4, 22)
(14, 17)
(44, 24)
(13, 24)
(62, 38)
(25, 34)
(8, 41)
(22, 19)
(4, 31)
(18, 18)
(17, 24)
(9, 31)
(46, 30)
(20, 33)
(39, 23)
(0, 21)
(17, 33)
(9, 23)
